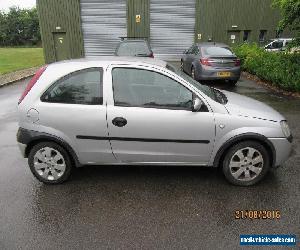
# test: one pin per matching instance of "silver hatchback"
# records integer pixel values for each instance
(129, 111)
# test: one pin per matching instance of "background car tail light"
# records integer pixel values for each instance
(237, 62)
(151, 55)
(33, 81)
(205, 61)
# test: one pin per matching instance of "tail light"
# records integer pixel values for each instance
(237, 62)
(33, 81)
(205, 61)
(151, 55)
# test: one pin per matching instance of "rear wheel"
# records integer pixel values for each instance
(233, 83)
(49, 163)
(246, 163)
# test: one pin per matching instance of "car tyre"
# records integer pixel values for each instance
(50, 163)
(246, 163)
(233, 83)
(193, 73)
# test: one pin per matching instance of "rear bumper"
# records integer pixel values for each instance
(283, 149)
(210, 73)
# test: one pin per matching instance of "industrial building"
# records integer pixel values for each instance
(91, 28)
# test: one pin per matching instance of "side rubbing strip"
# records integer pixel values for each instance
(140, 139)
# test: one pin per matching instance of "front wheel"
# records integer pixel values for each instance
(49, 163)
(246, 163)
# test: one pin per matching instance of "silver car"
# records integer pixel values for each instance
(129, 111)
(211, 61)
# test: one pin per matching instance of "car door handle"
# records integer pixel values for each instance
(119, 121)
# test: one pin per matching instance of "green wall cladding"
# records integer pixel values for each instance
(214, 18)
(138, 7)
(66, 15)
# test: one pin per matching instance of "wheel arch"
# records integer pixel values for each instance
(31, 138)
(245, 137)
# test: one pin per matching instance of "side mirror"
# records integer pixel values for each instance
(197, 104)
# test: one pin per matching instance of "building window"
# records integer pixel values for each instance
(262, 35)
(246, 35)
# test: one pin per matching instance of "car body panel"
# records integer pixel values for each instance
(153, 133)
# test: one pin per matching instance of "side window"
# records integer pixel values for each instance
(148, 89)
(80, 87)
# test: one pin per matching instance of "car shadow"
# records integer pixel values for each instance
(220, 85)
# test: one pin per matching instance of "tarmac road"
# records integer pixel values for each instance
(141, 207)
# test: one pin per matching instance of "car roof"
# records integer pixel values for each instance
(106, 60)
(211, 44)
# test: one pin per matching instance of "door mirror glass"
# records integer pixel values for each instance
(197, 104)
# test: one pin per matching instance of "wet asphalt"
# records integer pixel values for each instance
(141, 207)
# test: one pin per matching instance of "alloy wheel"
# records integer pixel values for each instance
(49, 163)
(246, 164)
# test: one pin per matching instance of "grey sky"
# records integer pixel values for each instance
(5, 4)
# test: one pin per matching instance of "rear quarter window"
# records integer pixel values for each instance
(80, 87)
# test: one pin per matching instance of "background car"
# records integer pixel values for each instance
(129, 111)
(211, 61)
(277, 45)
(130, 46)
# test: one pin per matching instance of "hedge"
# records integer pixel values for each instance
(282, 69)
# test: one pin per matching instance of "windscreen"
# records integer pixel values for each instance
(133, 49)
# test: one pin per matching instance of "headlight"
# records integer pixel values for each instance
(285, 129)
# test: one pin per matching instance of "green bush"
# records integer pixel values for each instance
(282, 69)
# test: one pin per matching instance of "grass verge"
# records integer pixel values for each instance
(13, 59)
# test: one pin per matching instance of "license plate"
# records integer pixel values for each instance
(224, 74)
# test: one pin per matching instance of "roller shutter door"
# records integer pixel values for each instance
(172, 27)
(103, 22)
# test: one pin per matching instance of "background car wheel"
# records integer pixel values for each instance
(246, 163)
(232, 83)
(181, 65)
(49, 163)
(193, 73)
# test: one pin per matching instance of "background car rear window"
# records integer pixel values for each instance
(80, 87)
(216, 51)
(133, 49)
(144, 88)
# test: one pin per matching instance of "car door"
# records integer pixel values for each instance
(150, 119)
(73, 108)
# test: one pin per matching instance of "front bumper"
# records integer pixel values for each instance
(283, 149)
(22, 148)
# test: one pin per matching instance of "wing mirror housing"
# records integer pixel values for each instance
(197, 104)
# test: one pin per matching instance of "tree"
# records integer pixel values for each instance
(290, 11)
(19, 27)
